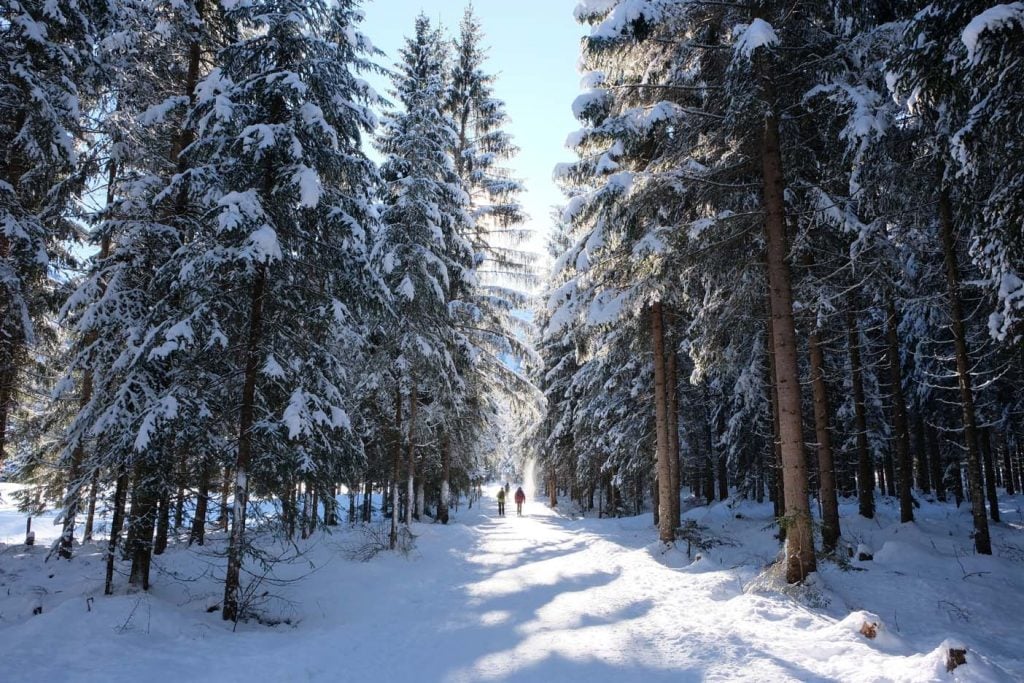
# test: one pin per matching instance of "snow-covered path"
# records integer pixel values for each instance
(537, 598)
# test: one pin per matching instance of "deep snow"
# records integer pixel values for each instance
(545, 597)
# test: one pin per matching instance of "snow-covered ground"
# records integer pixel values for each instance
(544, 597)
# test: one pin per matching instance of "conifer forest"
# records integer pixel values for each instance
(287, 339)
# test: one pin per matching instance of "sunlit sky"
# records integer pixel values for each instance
(533, 50)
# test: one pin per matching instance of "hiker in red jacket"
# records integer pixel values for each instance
(520, 499)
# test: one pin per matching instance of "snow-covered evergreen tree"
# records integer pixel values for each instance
(282, 262)
(424, 250)
(490, 316)
(49, 76)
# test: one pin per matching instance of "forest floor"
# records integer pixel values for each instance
(543, 597)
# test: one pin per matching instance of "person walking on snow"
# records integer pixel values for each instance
(520, 499)
(501, 502)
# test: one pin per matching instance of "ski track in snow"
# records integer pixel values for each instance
(537, 598)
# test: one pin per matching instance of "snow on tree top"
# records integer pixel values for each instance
(749, 37)
(622, 15)
(992, 19)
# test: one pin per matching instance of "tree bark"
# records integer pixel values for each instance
(656, 501)
(1008, 473)
(800, 560)
(958, 481)
(865, 466)
(666, 526)
(367, 510)
(163, 520)
(982, 541)
(826, 467)
(924, 477)
(396, 470)
(899, 416)
(198, 533)
(446, 465)
(142, 523)
(420, 495)
(672, 417)
(246, 417)
(7, 377)
(410, 458)
(710, 457)
(935, 462)
(723, 477)
(775, 482)
(179, 497)
(116, 524)
(225, 494)
(990, 474)
(90, 513)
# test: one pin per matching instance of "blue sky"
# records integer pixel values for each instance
(533, 50)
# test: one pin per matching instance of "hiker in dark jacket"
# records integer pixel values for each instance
(501, 502)
(520, 499)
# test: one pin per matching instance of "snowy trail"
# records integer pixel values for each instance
(536, 598)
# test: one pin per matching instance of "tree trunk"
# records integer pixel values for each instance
(865, 466)
(709, 449)
(553, 490)
(826, 467)
(396, 470)
(958, 481)
(198, 533)
(314, 506)
(7, 377)
(1008, 474)
(179, 497)
(116, 524)
(982, 541)
(709, 478)
(330, 500)
(656, 501)
(924, 477)
(446, 464)
(899, 416)
(410, 459)
(723, 477)
(990, 474)
(303, 494)
(246, 416)
(142, 522)
(935, 462)
(90, 514)
(800, 560)
(163, 520)
(1019, 463)
(666, 526)
(367, 502)
(672, 417)
(775, 482)
(225, 493)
